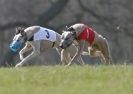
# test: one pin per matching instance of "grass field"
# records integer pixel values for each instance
(73, 80)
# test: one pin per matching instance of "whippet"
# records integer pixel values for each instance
(88, 40)
(39, 39)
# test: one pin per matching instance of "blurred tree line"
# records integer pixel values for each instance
(111, 18)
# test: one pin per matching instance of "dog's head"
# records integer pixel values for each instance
(67, 38)
(19, 39)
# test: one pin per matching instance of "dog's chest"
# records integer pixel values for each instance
(45, 34)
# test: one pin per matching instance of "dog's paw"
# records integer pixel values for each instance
(18, 65)
(69, 64)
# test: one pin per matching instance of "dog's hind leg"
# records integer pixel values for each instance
(106, 52)
(36, 51)
(94, 52)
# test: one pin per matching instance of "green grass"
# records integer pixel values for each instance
(73, 80)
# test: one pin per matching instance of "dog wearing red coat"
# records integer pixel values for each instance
(88, 41)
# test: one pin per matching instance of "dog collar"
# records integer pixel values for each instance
(31, 39)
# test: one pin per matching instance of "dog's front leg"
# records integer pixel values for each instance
(61, 53)
(65, 56)
(78, 53)
(33, 54)
(25, 49)
(36, 51)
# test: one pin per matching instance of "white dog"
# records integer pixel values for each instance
(39, 39)
(86, 38)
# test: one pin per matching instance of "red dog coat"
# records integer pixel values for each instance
(87, 34)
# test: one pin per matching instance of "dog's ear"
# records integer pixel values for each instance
(20, 30)
(70, 29)
(22, 33)
(17, 31)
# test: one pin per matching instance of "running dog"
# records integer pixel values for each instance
(39, 39)
(88, 40)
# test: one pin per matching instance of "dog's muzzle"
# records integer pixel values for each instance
(64, 46)
(15, 46)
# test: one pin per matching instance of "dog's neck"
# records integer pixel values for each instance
(30, 31)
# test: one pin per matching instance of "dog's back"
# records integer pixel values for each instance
(78, 28)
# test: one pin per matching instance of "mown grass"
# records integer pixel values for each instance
(73, 80)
